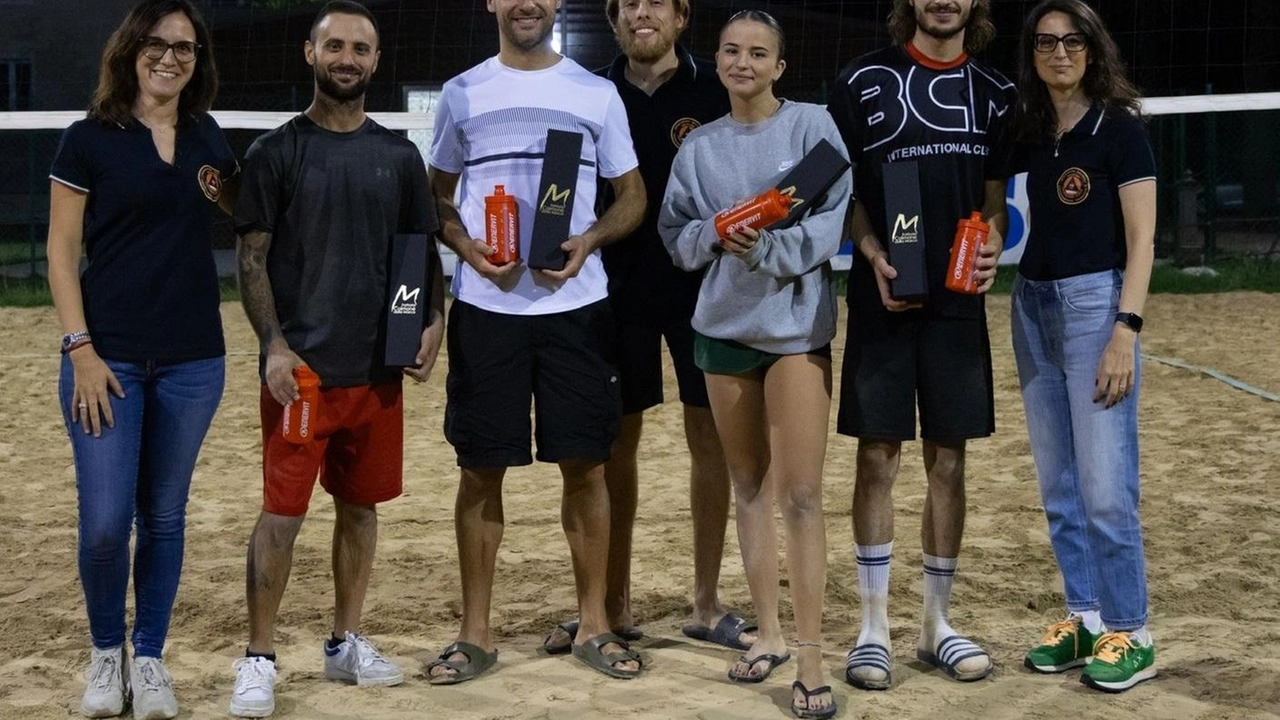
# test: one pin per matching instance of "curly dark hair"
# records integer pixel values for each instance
(117, 89)
(977, 32)
(1105, 81)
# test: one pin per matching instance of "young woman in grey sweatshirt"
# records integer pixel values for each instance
(764, 322)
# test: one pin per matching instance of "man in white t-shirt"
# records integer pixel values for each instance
(515, 333)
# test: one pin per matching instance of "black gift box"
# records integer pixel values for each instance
(409, 293)
(904, 231)
(557, 190)
(809, 181)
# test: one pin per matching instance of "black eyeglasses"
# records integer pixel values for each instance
(1045, 43)
(184, 51)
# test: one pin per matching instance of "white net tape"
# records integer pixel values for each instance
(247, 120)
(419, 125)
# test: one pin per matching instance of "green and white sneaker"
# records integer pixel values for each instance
(1119, 663)
(1067, 644)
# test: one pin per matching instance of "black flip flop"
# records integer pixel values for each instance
(725, 633)
(806, 713)
(773, 662)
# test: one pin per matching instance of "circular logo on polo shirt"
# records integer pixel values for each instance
(210, 182)
(1073, 186)
(681, 129)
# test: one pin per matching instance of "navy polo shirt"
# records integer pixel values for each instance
(1073, 188)
(645, 286)
(150, 290)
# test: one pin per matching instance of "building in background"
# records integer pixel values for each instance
(50, 49)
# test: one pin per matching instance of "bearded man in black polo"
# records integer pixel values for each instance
(667, 93)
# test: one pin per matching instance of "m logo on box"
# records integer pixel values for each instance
(405, 301)
(555, 201)
(904, 230)
(795, 201)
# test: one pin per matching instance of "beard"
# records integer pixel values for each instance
(647, 51)
(527, 42)
(925, 22)
(330, 87)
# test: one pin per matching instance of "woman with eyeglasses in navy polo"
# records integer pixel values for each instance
(1077, 305)
(137, 183)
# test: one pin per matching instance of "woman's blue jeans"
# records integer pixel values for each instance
(139, 468)
(1086, 455)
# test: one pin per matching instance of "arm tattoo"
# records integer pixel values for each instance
(255, 286)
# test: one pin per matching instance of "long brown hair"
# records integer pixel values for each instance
(978, 31)
(117, 89)
(1105, 81)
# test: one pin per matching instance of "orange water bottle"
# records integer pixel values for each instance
(502, 226)
(300, 415)
(760, 211)
(962, 273)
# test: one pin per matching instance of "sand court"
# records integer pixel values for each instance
(1211, 511)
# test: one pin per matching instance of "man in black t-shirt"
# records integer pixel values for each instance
(667, 93)
(926, 101)
(321, 199)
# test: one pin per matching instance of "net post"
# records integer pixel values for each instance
(1211, 183)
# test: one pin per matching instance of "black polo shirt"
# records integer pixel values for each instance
(1073, 189)
(150, 290)
(645, 286)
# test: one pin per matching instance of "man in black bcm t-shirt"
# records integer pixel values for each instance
(922, 100)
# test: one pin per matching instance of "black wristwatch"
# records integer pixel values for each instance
(1133, 321)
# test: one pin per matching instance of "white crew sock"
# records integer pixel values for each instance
(1092, 621)
(939, 575)
(873, 586)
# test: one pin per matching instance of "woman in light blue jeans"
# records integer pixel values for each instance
(136, 185)
(1077, 304)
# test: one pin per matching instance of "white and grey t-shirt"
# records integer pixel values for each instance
(491, 127)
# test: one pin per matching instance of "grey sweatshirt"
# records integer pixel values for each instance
(777, 297)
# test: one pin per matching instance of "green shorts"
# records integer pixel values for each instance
(730, 357)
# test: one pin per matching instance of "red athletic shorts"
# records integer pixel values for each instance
(357, 449)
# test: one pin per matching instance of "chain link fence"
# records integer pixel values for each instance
(1219, 186)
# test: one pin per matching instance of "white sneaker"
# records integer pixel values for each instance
(107, 683)
(255, 693)
(152, 690)
(356, 660)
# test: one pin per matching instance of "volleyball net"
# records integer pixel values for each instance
(1219, 180)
